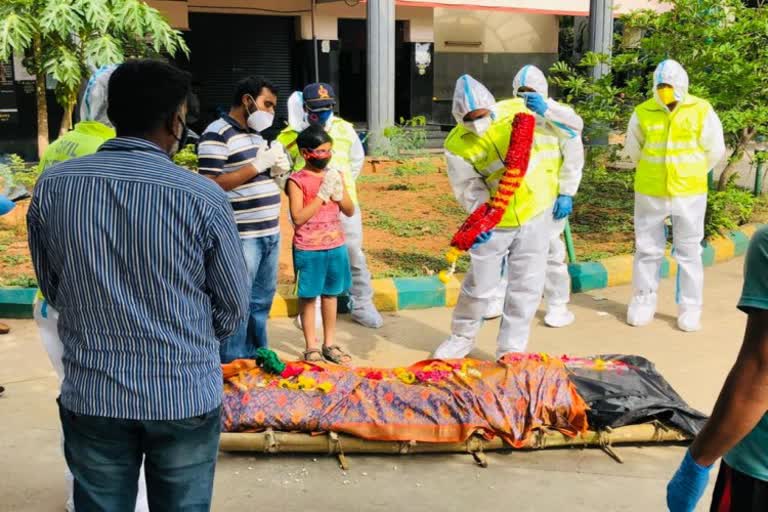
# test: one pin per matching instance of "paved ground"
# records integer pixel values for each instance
(577, 480)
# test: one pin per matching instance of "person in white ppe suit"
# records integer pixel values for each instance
(673, 139)
(475, 151)
(317, 101)
(531, 85)
(93, 129)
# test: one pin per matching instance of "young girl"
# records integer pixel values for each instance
(320, 258)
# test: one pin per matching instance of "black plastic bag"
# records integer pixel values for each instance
(627, 390)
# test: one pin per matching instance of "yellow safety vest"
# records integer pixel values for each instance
(486, 154)
(343, 135)
(84, 140)
(672, 162)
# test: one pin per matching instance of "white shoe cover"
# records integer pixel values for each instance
(368, 317)
(641, 310)
(454, 347)
(689, 318)
(559, 316)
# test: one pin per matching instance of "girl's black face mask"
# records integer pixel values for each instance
(317, 159)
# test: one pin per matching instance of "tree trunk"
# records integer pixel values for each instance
(42, 104)
(747, 134)
(66, 121)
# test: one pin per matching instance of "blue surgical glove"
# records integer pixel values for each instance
(482, 238)
(535, 102)
(6, 205)
(563, 207)
(687, 486)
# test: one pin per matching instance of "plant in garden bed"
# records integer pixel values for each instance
(403, 228)
(728, 209)
(407, 137)
(409, 264)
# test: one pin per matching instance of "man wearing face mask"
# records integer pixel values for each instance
(673, 139)
(348, 158)
(143, 262)
(233, 153)
(475, 152)
(553, 119)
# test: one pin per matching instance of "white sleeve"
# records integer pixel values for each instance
(468, 186)
(712, 139)
(356, 156)
(633, 145)
(573, 164)
(564, 120)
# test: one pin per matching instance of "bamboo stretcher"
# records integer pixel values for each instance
(274, 442)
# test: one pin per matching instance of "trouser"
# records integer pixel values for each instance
(361, 292)
(47, 320)
(105, 455)
(525, 250)
(261, 260)
(738, 492)
(557, 284)
(687, 215)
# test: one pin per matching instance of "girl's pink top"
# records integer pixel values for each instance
(323, 231)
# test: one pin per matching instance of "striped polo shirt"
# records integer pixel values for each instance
(143, 263)
(225, 146)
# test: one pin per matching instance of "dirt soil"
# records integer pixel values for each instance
(409, 217)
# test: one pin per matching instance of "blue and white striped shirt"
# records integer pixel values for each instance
(143, 262)
(226, 147)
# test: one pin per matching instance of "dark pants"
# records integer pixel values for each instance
(261, 259)
(104, 455)
(737, 492)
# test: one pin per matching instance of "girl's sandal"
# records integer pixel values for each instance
(336, 354)
(313, 356)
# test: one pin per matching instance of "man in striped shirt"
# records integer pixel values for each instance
(233, 153)
(143, 263)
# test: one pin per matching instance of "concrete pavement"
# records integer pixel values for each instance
(31, 467)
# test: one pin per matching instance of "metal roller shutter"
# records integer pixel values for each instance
(226, 48)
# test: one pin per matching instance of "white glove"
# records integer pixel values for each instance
(328, 186)
(265, 157)
(338, 190)
(282, 163)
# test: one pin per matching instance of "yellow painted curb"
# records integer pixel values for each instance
(672, 264)
(285, 302)
(723, 247)
(384, 294)
(619, 269)
(452, 290)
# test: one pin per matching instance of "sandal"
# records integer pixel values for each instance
(313, 355)
(336, 354)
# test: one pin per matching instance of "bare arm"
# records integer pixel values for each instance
(300, 213)
(744, 398)
(346, 205)
(232, 180)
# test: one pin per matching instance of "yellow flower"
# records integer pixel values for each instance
(325, 387)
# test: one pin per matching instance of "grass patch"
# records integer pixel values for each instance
(604, 203)
(415, 167)
(414, 264)
(21, 281)
(401, 187)
(373, 178)
(13, 259)
(448, 206)
(403, 228)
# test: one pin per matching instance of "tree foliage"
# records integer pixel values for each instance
(77, 36)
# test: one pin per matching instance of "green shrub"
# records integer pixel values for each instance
(187, 158)
(407, 137)
(728, 209)
(17, 172)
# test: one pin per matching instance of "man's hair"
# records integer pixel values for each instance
(312, 137)
(144, 94)
(252, 85)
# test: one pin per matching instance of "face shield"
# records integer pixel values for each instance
(672, 74)
(472, 105)
(93, 106)
(531, 77)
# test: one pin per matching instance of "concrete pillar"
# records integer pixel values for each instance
(600, 31)
(381, 69)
